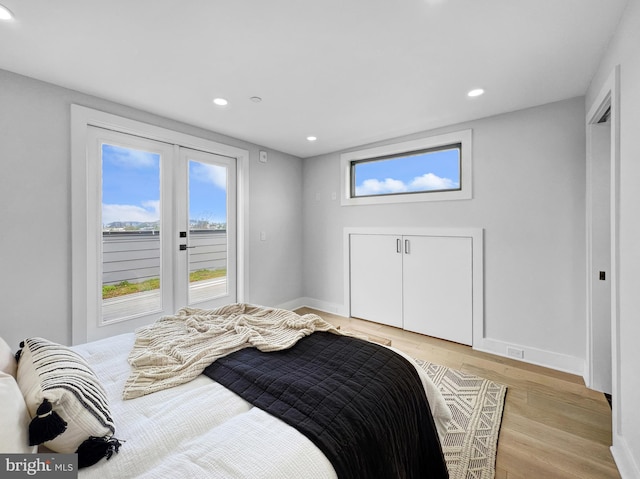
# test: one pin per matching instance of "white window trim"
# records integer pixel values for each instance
(464, 137)
(81, 269)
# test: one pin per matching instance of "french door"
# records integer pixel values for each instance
(205, 221)
(163, 219)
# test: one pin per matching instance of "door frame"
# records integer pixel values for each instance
(609, 96)
(83, 117)
(597, 371)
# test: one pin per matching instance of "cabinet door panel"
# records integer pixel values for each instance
(437, 279)
(376, 278)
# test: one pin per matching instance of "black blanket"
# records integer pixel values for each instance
(361, 404)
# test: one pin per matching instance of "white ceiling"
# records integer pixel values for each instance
(347, 71)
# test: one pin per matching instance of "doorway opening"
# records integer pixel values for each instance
(602, 180)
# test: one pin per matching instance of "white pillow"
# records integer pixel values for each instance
(66, 401)
(14, 419)
(7, 361)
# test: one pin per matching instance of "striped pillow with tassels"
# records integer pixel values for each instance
(66, 401)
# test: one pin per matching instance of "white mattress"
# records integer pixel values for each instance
(200, 429)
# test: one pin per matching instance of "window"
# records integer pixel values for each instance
(434, 168)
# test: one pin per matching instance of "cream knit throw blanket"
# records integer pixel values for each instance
(176, 349)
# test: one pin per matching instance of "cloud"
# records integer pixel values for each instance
(377, 187)
(426, 182)
(216, 175)
(148, 212)
(129, 158)
(430, 182)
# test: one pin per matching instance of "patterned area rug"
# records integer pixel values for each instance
(476, 405)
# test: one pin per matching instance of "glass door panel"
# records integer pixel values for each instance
(131, 244)
(208, 249)
(207, 231)
(129, 223)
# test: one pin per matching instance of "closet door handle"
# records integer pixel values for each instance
(406, 246)
(398, 245)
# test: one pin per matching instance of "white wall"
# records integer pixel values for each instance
(624, 51)
(528, 188)
(35, 196)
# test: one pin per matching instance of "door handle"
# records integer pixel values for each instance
(398, 245)
(184, 247)
(406, 246)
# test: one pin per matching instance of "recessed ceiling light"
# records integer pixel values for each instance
(476, 92)
(5, 13)
(220, 101)
(255, 99)
(311, 138)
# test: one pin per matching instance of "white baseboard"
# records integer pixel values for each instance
(292, 305)
(558, 361)
(540, 357)
(627, 465)
(332, 308)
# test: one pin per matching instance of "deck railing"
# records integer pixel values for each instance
(134, 256)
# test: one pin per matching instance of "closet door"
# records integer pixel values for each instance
(376, 278)
(437, 293)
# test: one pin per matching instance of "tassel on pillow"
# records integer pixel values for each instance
(95, 448)
(19, 352)
(46, 425)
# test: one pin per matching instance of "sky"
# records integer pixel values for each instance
(436, 170)
(131, 182)
(131, 187)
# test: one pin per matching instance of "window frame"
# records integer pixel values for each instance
(462, 138)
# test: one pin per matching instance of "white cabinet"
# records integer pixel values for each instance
(376, 278)
(421, 283)
(437, 287)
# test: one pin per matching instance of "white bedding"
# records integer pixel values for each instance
(200, 429)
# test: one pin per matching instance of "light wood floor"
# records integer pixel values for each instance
(553, 426)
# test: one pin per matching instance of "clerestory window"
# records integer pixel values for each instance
(433, 168)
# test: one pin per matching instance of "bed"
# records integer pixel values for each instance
(200, 428)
